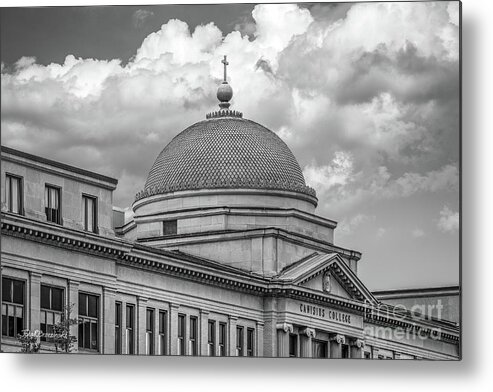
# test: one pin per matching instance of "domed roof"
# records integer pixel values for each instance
(225, 151)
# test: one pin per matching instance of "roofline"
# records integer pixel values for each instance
(60, 165)
(417, 292)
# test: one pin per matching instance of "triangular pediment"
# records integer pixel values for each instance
(328, 273)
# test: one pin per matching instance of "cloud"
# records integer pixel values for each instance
(417, 233)
(448, 221)
(348, 226)
(381, 232)
(140, 17)
(369, 116)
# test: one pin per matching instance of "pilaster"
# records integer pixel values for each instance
(108, 324)
(356, 347)
(203, 332)
(73, 300)
(35, 301)
(173, 328)
(140, 333)
(336, 342)
(283, 331)
(259, 341)
(233, 320)
(307, 335)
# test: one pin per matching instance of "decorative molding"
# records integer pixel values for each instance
(310, 332)
(285, 327)
(359, 343)
(338, 338)
(224, 113)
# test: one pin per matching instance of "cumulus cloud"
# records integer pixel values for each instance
(381, 232)
(448, 221)
(367, 98)
(348, 225)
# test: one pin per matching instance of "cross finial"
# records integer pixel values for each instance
(225, 62)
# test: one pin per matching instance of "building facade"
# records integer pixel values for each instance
(224, 255)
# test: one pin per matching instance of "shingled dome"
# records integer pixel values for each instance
(225, 151)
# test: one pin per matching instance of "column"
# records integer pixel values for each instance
(270, 330)
(173, 329)
(140, 333)
(233, 320)
(35, 302)
(336, 342)
(73, 303)
(203, 332)
(259, 341)
(356, 347)
(283, 331)
(108, 321)
(306, 337)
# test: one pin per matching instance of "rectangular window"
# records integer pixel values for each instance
(250, 342)
(293, 345)
(319, 349)
(211, 338)
(53, 204)
(51, 310)
(170, 227)
(150, 331)
(89, 325)
(12, 307)
(222, 339)
(90, 206)
(162, 332)
(13, 194)
(239, 341)
(129, 329)
(345, 351)
(118, 328)
(181, 334)
(193, 336)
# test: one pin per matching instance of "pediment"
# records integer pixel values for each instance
(327, 273)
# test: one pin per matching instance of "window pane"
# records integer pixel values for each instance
(87, 334)
(15, 195)
(81, 335)
(82, 305)
(45, 297)
(8, 181)
(118, 314)
(94, 335)
(56, 299)
(18, 291)
(90, 214)
(6, 289)
(162, 322)
(130, 316)
(93, 306)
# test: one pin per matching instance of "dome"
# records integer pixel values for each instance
(225, 151)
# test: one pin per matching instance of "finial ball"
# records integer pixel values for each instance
(224, 92)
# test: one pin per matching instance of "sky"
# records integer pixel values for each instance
(366, 95)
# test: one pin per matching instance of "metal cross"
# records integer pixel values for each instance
(225, 65)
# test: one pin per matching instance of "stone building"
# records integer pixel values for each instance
(224, 256)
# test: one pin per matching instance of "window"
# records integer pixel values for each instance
(162, 332)
(250, 341)
(367, 355)
(169, 227)
(181, 334)
(118, 328)
(222, 339)
(51, 310)
(345, 351)
(193, 336)
(89, 326)
(129, 329)
(90, 206)
(239, 341)
(53, 204)
(12, 307)
(319, 349)
(13, 194)
(211, 338)
(150, 331)
(293, 345)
